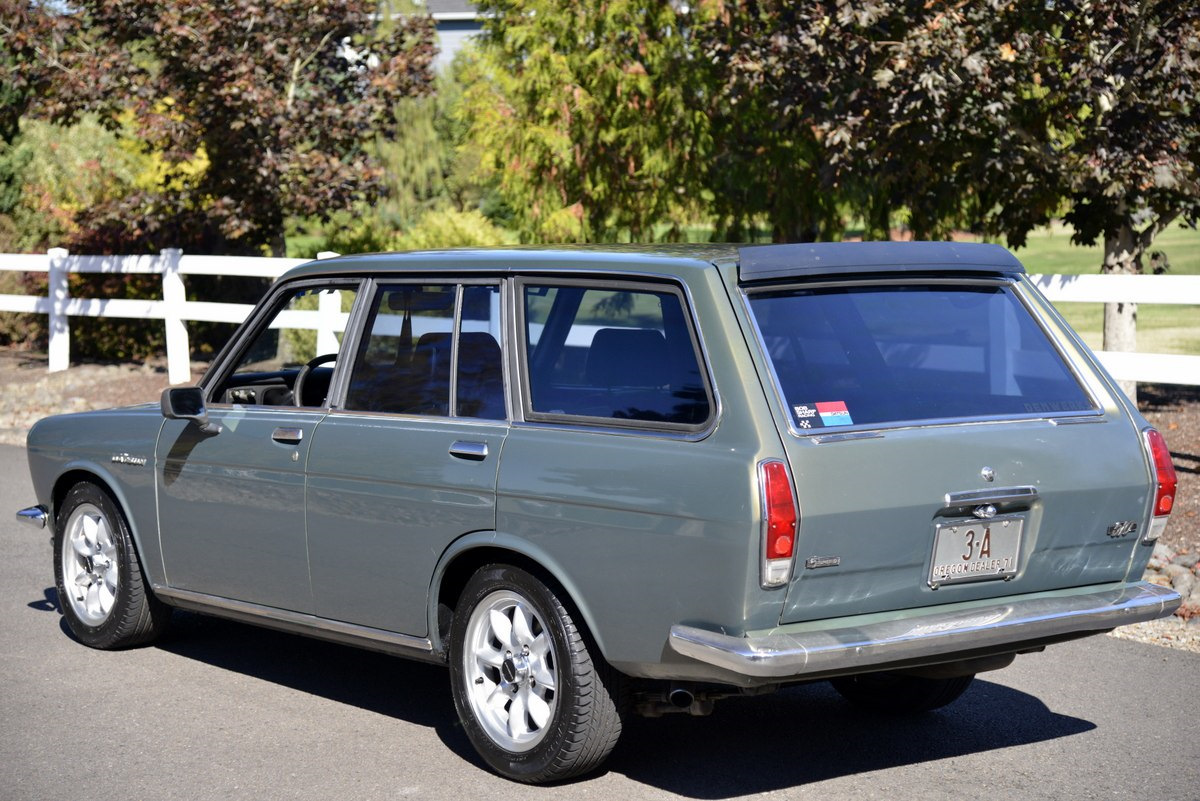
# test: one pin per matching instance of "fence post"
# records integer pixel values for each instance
(179, 368)
(60, 323)
(329, 305)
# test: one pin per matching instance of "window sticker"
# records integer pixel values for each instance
(834, 413)
(820, 415)
(807, 416)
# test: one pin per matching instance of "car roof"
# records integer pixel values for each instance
(651, 259)
(755, 262)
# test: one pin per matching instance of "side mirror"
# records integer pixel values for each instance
(187, 403)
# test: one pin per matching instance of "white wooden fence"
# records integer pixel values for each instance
(174, 309)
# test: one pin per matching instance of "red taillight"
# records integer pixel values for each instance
(1164, 471)
(780, 517)
(1164, 476)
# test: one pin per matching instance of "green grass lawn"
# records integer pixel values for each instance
(1161, 328)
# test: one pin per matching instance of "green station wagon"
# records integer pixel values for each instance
(599, 482)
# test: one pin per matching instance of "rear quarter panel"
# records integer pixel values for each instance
(647, 531)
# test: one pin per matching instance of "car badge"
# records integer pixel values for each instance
(127, 458)
(988, 474)
(1121, 528)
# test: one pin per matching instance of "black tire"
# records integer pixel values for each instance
(898, 694)
(581, 718)
(105, 599)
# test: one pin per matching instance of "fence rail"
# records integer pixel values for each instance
(175, 309)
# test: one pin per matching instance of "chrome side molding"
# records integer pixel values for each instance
(34, 516)
(302, 623)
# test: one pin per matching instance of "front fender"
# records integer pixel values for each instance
(136, 502)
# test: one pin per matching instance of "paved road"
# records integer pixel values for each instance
(225, 711)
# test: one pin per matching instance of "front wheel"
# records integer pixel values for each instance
(101, 589)
(535, 702)
(899, 694)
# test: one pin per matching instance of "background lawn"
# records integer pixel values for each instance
(1160, 328)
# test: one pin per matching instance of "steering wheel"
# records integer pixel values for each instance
(305, 372)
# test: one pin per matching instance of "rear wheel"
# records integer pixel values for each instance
(534, 700)
(104, 596)
(898, 694)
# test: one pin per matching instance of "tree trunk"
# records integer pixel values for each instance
(1122, 256)
(879, 219)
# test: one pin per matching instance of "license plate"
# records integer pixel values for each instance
(975, 550)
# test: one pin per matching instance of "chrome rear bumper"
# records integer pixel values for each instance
(34, 516)
(802, 651)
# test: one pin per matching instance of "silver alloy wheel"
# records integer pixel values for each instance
(89, 564)
(510, 671)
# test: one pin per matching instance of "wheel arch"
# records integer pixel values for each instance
(78, 472)
(471, 552)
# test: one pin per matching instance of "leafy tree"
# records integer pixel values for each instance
(988, 113)
(277, 101)
(25, 68)
(1122, 83)
(583, 111)
(895, 104)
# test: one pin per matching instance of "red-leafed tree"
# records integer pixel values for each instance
(257, 111)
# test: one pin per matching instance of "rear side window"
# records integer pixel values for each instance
(431, 350)
(624, 355)
(875, 354)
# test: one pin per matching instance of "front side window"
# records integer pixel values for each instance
(873, 354)
(305, 331)
(622, 355)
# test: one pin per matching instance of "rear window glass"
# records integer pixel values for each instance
(879, 354)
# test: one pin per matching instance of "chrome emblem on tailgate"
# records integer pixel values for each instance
(1122, 527)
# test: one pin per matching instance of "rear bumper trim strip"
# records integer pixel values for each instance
(935, 636)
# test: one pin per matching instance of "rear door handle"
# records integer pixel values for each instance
(474, 451)
(288, 436)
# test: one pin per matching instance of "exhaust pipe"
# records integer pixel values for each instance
(681, 698)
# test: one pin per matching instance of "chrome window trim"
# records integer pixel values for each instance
(821, 435)
(377, 285)
(611, 281)
(588, 428)
(417, 418)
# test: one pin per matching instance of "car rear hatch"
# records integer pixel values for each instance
(942, 447)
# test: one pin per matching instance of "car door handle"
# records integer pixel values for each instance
(288, 436)
(475, 451)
